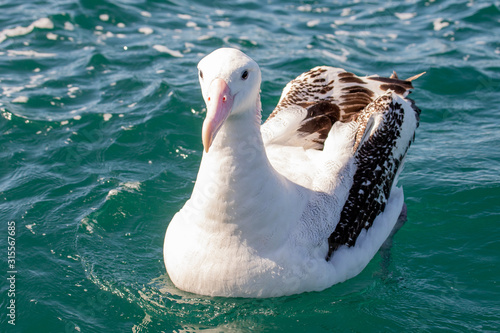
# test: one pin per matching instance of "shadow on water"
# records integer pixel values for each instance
(385, 249)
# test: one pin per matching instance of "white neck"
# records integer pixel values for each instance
(237, 186)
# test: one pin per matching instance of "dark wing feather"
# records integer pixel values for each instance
(315, 100)
(378, 158)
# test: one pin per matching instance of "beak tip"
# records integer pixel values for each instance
(207, 142)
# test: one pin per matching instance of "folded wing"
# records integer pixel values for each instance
(387, 119)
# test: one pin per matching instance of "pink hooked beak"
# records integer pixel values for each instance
(219, 104)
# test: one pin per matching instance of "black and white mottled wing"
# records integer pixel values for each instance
(387, 128)
(387, 119)
(315, 100)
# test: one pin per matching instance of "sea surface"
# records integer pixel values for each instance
(100, 121)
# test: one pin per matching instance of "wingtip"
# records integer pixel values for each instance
(414, 77)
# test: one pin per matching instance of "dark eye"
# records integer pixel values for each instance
(201, 74)
(244, 76)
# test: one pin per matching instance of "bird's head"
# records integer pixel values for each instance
(230, 84)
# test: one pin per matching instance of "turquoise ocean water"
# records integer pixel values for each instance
(100, 120)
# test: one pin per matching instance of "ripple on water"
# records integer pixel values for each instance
(100, 118)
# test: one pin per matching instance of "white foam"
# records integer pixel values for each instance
(439, 24)
(7, 91)
(104, 17)
(85, 222)
(188, 47)
(146, 30)
(304, 8)
(7, 115)
(146, 14)
(360, 42)
(69, 26)
(107, 116)
(29, 53)
(345, 12)
(112, 193)
(405, 16)
(204, 37)
(52, 36)
(145, 321)
(184, 16)
(20, 99)
(127, 186)
(36, 79)
(223, 24)
(72, 91)
(132, 185)
(30, 227)
(164, 49)
(313, 23)
(43, 23)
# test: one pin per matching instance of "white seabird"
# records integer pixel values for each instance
(298, 203)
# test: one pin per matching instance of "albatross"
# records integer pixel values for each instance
(300, 202)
